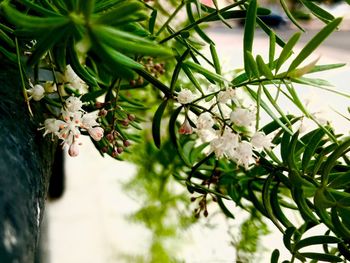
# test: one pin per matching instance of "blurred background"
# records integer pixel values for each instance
(112, 211)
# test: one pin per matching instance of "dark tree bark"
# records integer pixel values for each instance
(26, 160)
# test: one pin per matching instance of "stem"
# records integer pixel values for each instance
(203, 19)
(170, 18)
(24, 90)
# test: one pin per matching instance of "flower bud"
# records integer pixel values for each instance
(186, 128)
(96, 133)
(73, 150)
(126, 143)
(120, 149)
(131, 117)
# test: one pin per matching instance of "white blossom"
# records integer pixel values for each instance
(73, 120)
(225, 144)
(89, 120)
(259, 140)
(242, 117)
(228, 94)
(205, 121)
(52, 125)
(244, 154)
(70, 78)
(74, 104)
(96, 133)
(36, 92)
(185, 96)
(206, 135)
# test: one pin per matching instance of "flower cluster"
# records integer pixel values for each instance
(226, 127)
(73, 119)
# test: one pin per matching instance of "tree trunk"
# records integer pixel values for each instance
(26, 160)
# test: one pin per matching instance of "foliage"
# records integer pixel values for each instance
(128, 61)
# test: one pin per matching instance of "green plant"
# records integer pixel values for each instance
(104, 68)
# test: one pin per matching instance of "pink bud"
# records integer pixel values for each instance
(96, 133)
(126, 143)
(186, 128)
(73, 150)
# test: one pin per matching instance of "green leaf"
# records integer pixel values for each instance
(263, 68)
(290, 15)
(251, 67)
(311, 147)
(331, 161)
(316, 240)
(272, 48)
(277, 208)
(45, 43)
(317, 11)
(93, 95)
(340, 181)
(274, 125)
(32, 23)
(192, 78)
(156, 124)
(224, 208)
(249, 29)
(87, 7)
(121, 13)
(287, 50)
(287, 237)
(119, 58)
(152, 21)
(268, 31)
(322, 257)
(177, 69)
(269, 111)
(267, 201)
(323, 199)
(39, 9)
(127, 42)
(199, 31)
(78, 68)
(208, 74)
(173, 135)
(314, 43)
(275, 256)
(216, 60)
(319, 68)
(285, 142)
(304, 209)
(6, 39)
(257, 204)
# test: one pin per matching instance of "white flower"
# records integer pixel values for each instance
(72, 79)
(185, 96)
(96, 133)
(74, 104)
(206, 135)
(205, 121)
(52, 125)
(226, 95)
(225, 144)
(73, 150)
(69, 128)
(244, 154)
(89, 120)
(260, 140)
(242, 117)
(37, 92)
